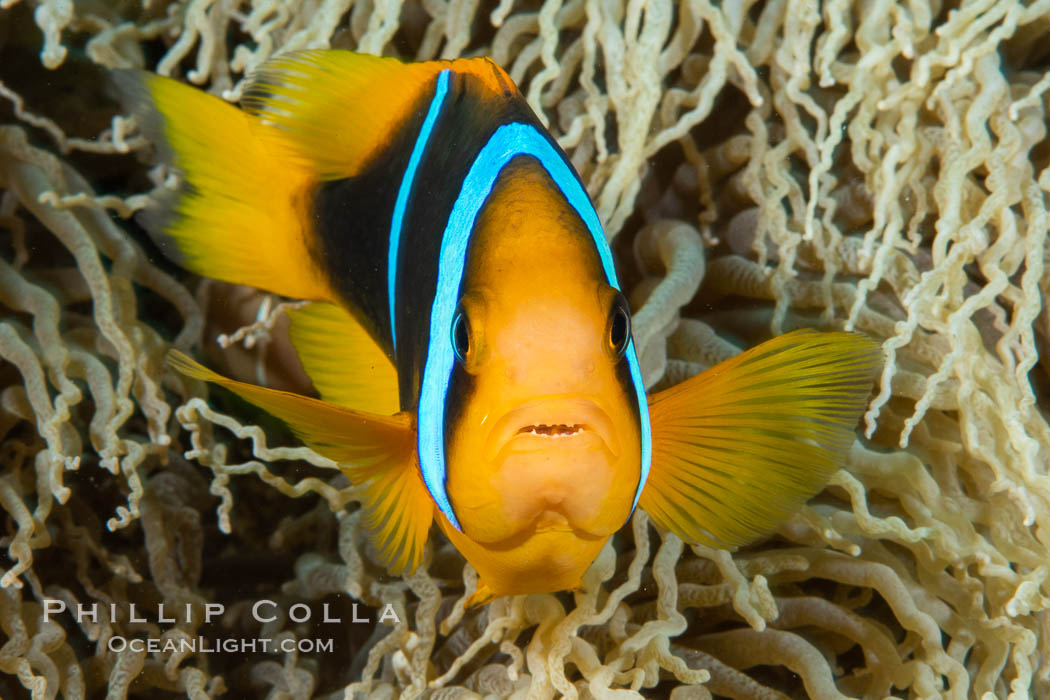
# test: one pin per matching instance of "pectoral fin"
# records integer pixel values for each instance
(740, 447)
(377, 453)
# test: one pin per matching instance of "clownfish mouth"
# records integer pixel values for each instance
(553, 431)
(552, 421)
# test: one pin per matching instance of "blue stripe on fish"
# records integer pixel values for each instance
(403, 192)
(506, 143)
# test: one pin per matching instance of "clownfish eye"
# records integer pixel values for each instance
(619, 326)
(460, 334)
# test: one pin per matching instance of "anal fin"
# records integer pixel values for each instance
(740, 447)
(377, 453)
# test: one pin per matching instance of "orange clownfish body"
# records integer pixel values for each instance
(468, 336)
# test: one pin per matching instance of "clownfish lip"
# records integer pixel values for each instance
(553, 421)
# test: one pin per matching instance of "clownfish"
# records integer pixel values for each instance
(468, 335)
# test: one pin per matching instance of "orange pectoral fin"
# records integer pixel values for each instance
(740, 447)
(377, 453)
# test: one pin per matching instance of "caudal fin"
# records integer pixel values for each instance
(240, 213)
(740, 447)
(377, 454)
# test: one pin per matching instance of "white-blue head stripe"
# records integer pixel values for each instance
(397, 222)
(508, 142)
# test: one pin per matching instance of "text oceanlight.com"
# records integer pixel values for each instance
(202, 645)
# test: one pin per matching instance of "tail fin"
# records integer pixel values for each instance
(241, 212)
(740, 447)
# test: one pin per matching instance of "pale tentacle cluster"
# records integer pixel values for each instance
(874, 166)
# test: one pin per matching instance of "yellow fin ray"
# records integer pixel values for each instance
(338, 109)
(345, 364)
(377, 453)
(240, 215)
(739, 448)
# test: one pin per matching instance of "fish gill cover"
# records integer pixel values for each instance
(761, 166)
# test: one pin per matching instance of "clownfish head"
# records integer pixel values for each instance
(543, 434)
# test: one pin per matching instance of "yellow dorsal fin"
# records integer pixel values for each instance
(241, 213)
(377, 453)
(740, 447)
(338, 108)
(346, 366)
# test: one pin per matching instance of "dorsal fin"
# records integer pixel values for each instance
(346, 366)
(339, 109)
